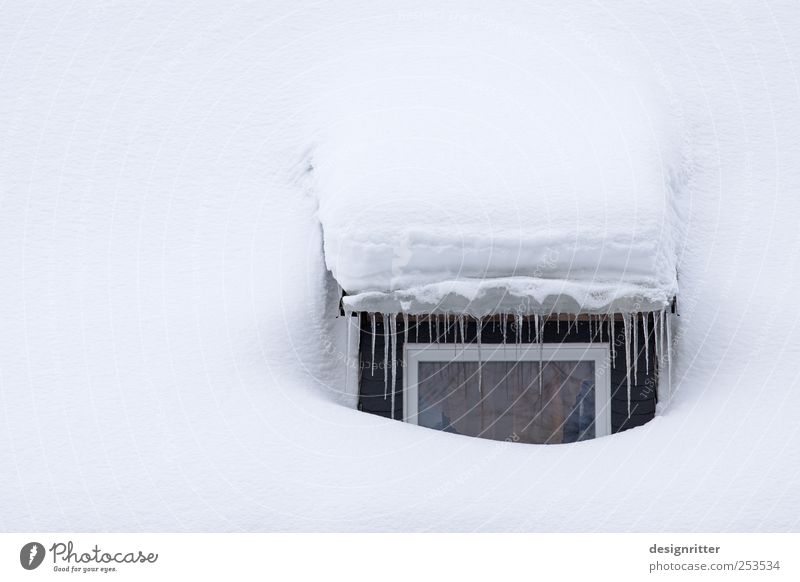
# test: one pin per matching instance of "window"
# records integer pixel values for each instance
(557, 393)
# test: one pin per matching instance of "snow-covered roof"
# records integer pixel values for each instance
(451, 180)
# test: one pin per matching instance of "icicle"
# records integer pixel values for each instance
(374, 324)
(662, 363)
(347, 317)
(450, 326)
(635, 317)
(540, 341)
(626, 317)
(518, 322)
(657, 347)
(479, 333)
(613, 338)
(602, 320)
(456, 327)
(503, 327)
(455, 331)
(446, 327)
(438, 327)
(405, 328)
(385, 355)
(529, 327)
(416, 329)
(430, 329)
(393, 330)
(669, 355)
(658, 325)
(646, 329)
(558, 323)
(655, 342)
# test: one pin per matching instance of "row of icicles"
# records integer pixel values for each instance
(439, 325)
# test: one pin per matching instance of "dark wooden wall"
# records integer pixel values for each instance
(643, 386)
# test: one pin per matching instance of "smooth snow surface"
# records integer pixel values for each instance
(170, 355)
(448, 156)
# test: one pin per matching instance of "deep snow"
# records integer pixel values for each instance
(169, 353)
(441, 155)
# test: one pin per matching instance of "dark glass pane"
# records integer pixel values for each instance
(513, 402)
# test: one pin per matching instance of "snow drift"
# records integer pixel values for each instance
(456, 179)
(170, 357)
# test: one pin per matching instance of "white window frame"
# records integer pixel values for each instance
(414, 353)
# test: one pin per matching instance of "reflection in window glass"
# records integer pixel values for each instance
(513, 403)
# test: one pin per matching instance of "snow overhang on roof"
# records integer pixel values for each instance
(521, 295)
(531, 178)
(421, 273)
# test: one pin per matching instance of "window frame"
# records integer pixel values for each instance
(598, 352)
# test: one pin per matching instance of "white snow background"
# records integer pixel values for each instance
(169, 354)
